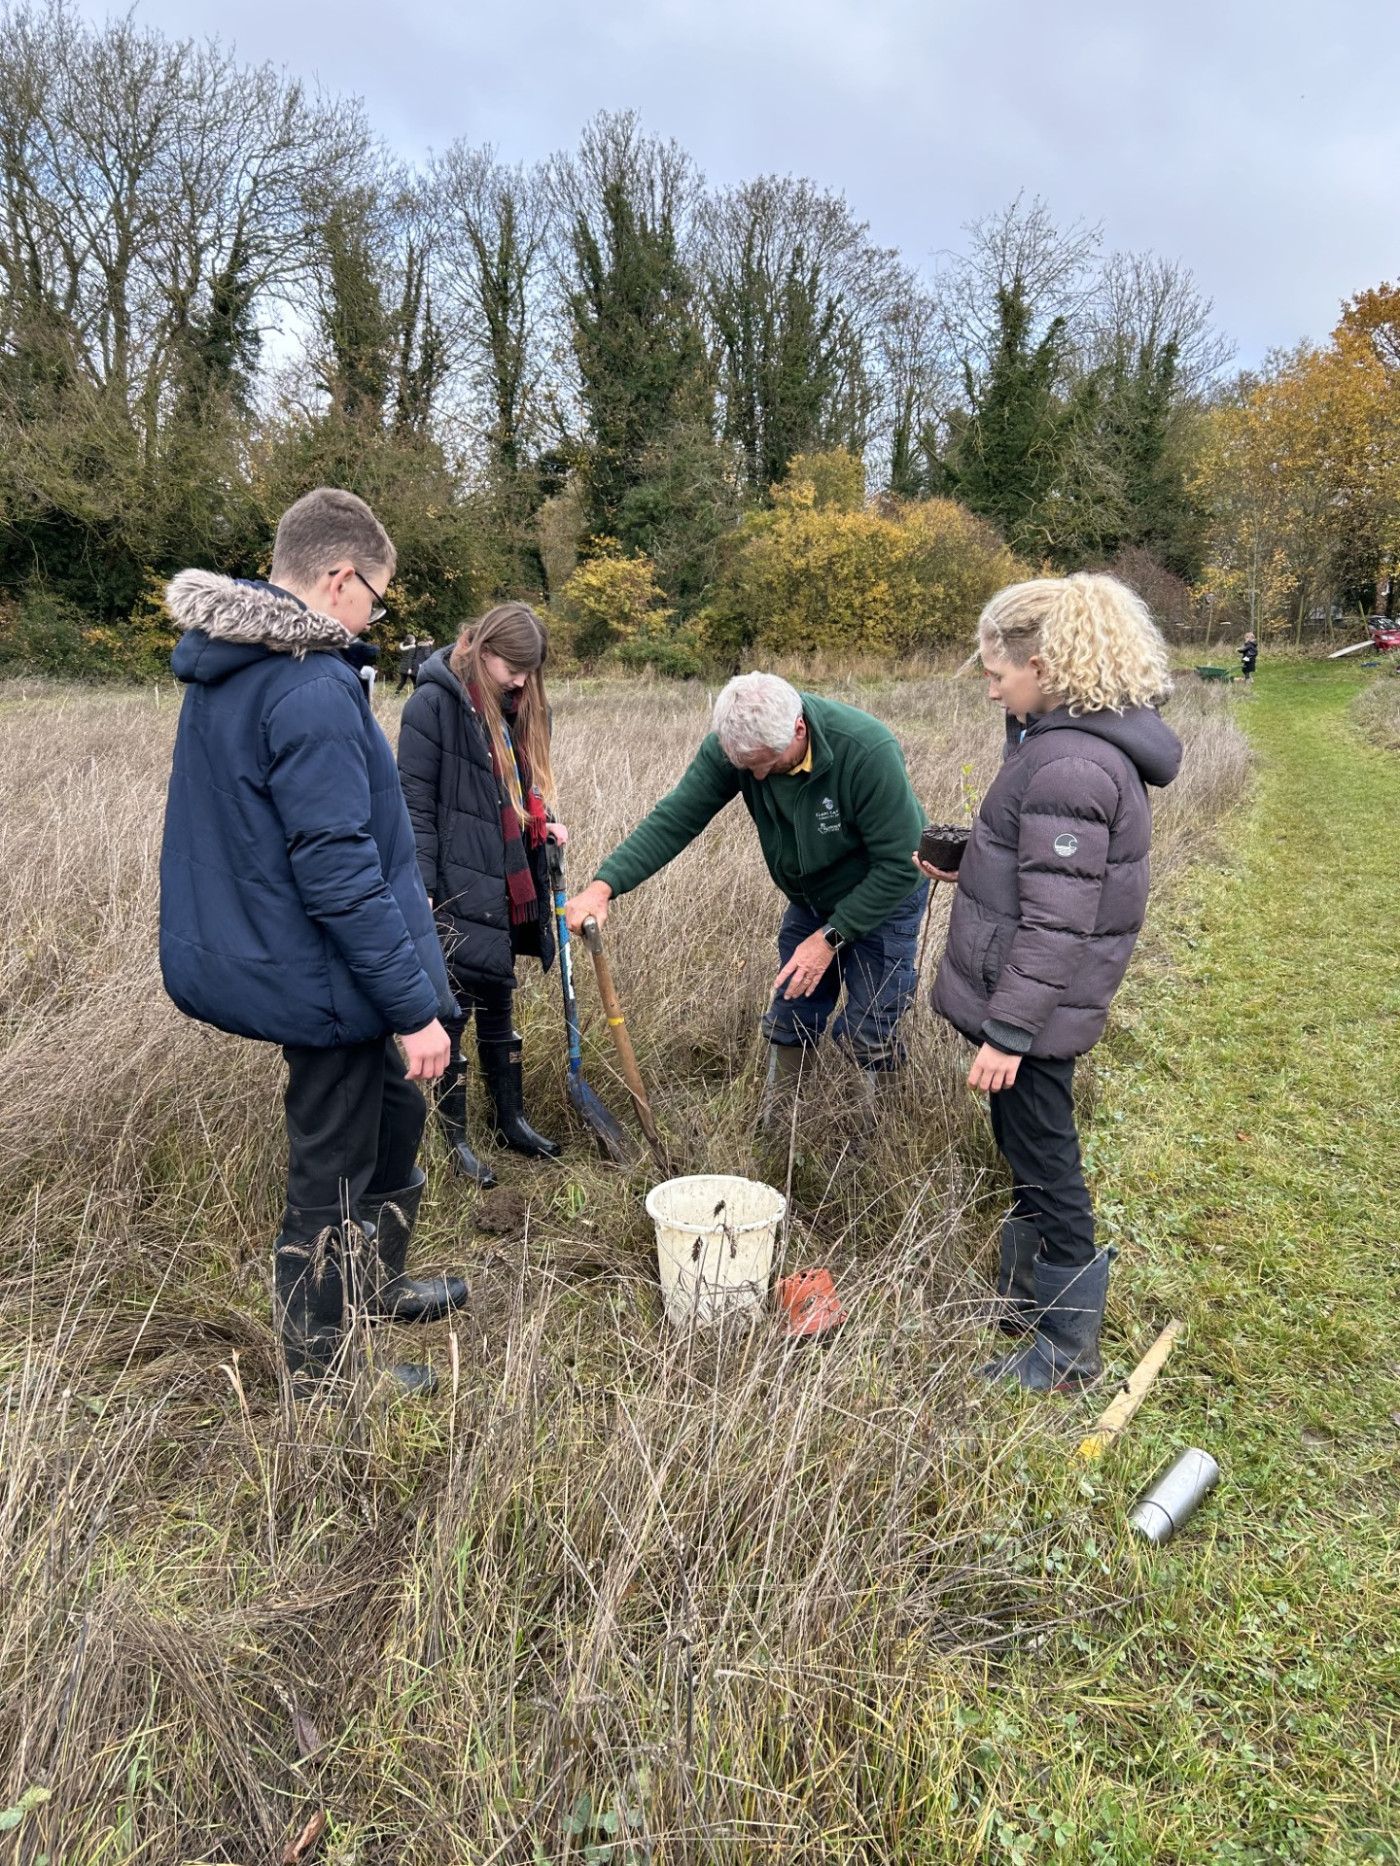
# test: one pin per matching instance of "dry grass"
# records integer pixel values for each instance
(1378, 708)
(618, 1596)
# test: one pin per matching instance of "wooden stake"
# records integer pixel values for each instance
(1109, 1426)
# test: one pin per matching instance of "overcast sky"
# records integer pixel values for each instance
(1258, 140)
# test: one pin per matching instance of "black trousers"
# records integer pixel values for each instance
(491, 1005)
(354, 1122)
(1033, 1124)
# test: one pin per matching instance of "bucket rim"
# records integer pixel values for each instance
(736, 1179)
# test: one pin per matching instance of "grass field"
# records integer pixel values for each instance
(620, 1596)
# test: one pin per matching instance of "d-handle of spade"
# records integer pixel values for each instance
(617, 1024)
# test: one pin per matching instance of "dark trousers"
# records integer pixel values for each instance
(354, 1122)
(490, 1003)
(876, 972)
(1033, 1123)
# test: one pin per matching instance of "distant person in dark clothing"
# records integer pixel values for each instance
(292, 911)
(1050, 899)
(363, 656)
(406, 664)
(422, 654)
(1249, 655)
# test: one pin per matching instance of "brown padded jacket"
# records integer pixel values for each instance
(1053, 886)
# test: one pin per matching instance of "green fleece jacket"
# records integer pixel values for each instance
(844, 850)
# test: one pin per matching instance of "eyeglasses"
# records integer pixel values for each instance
(378, 612)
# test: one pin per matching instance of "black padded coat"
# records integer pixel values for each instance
(454, 803)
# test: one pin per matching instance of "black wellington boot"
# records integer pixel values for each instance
(309, 1302)
(1062, 1353)
(1020, 1243)
(388, 1219)
(452, 1119)
(501, 1066)
(309, 1295)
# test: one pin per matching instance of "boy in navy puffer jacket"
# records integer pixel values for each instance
(292, 910)
(1050, 901)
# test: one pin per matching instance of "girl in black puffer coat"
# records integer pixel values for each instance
(1050, 900)
(474, 765)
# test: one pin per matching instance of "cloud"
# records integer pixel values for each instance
(1235, 137)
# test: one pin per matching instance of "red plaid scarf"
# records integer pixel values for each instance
(515, 786)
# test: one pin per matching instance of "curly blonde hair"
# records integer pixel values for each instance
(1096, 639)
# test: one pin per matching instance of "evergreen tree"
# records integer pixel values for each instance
(640, 356)
(797, 297)
(422, 357)
(1005, 452)
(357, 330)
(222, 343)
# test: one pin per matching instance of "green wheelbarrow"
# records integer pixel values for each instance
(1215, 673)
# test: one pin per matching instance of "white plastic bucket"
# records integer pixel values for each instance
(714, 1244)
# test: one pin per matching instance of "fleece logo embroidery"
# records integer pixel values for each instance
(828, 817)
(1066, 845)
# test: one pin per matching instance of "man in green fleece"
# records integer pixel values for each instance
(838, 823)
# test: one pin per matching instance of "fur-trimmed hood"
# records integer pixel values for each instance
(257, 615)
(291, 904)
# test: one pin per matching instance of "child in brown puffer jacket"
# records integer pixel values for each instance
(1051, 896)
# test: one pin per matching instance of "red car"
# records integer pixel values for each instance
(1385, 633)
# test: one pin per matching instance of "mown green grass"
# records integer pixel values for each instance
(1244, 1707)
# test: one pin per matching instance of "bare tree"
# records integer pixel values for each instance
(1019, 250)
(138, 174)
(1141, 304)
(614, 151)
(918, 384)
(493, 224)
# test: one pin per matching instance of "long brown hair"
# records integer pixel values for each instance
(515, 633)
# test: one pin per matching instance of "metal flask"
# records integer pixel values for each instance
(1172, 1500)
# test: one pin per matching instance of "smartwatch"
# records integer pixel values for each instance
(832, 938)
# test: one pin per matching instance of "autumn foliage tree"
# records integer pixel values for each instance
(1300, 470)
(823, 572)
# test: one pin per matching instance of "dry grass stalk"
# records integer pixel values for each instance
(731, 1591)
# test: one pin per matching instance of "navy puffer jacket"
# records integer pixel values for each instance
(454, 803)
(1053, 886)
(291, 908)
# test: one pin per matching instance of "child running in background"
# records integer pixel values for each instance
(1050, 899)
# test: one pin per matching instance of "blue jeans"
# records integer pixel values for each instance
(876, 973)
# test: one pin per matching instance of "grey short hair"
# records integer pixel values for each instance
(756, 713)
(321, 530)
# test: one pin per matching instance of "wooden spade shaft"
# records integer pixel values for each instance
(1115, 1416)
(617, 1024)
